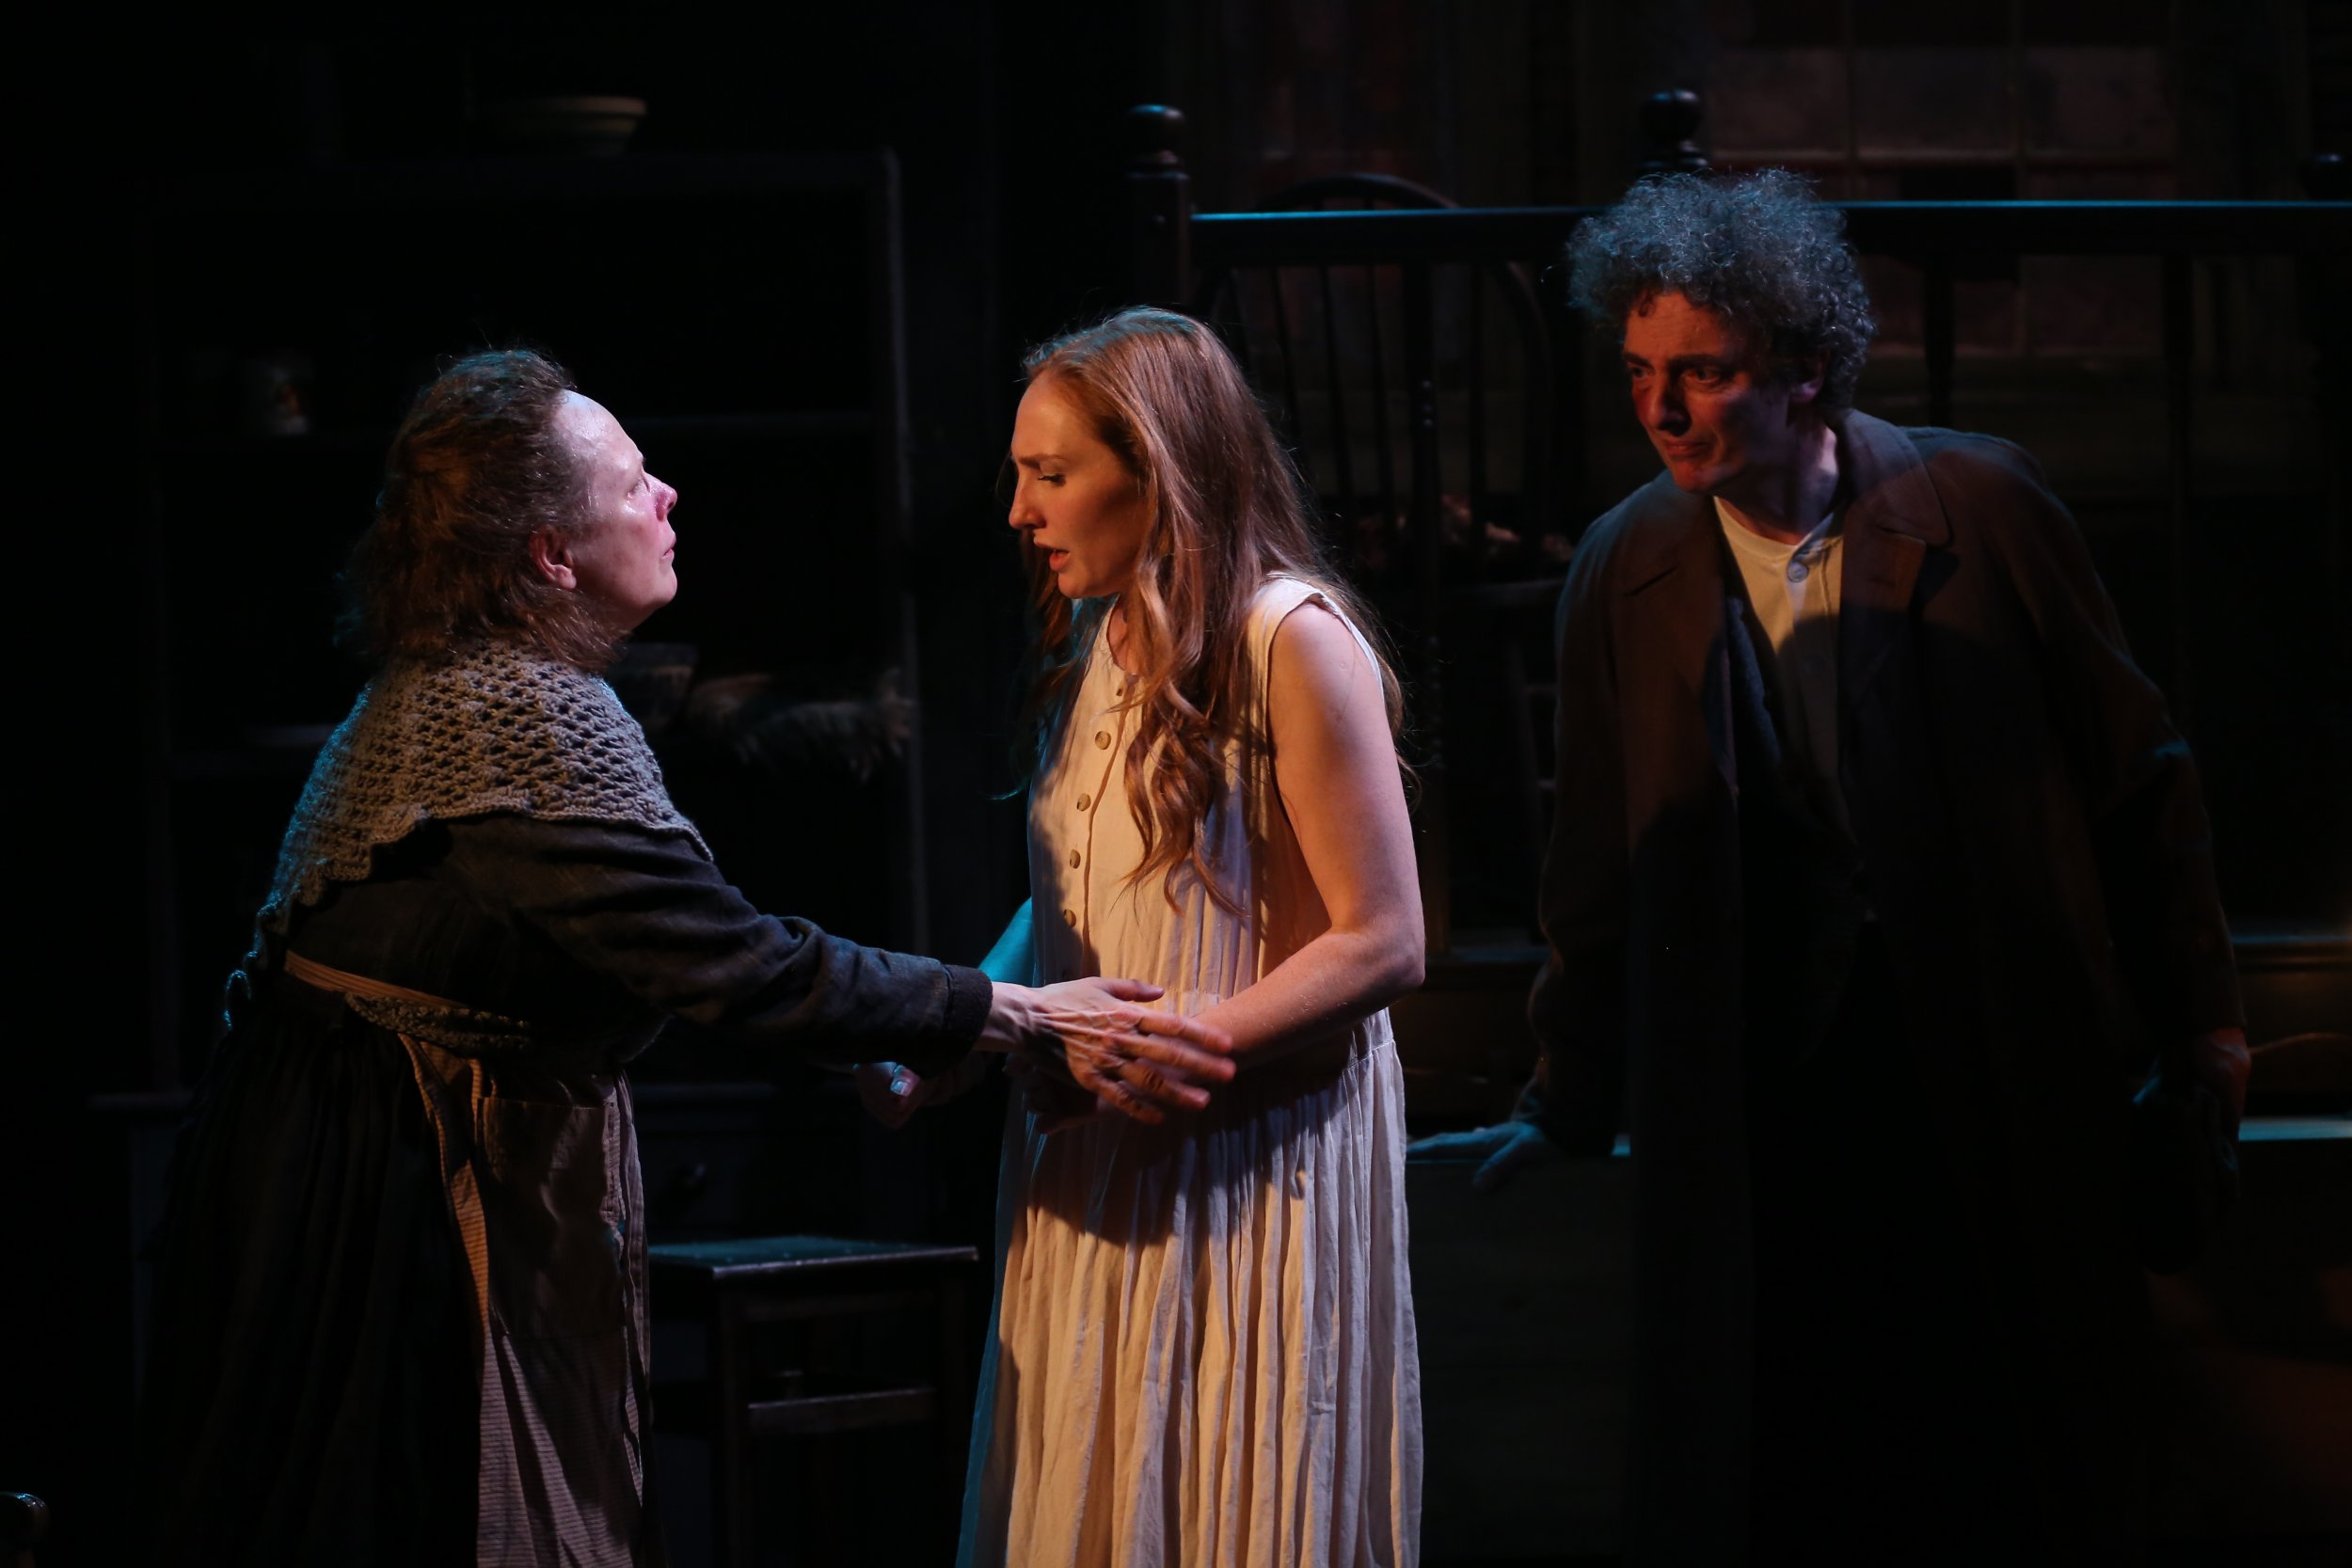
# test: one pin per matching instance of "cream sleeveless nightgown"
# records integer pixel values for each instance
(1201, 1352)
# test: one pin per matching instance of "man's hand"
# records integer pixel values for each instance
(1502, 1152)
(1140, 1063)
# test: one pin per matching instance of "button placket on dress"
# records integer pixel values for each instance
(1108, 728)
(1111, 729)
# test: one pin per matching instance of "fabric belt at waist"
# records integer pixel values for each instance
(328, 978)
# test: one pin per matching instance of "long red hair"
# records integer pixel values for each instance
(1227, 509)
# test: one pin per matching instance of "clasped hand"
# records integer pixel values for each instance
(1088, 1033)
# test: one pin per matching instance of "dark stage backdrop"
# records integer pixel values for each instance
(1005, 119)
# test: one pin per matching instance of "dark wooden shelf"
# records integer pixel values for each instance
(515, 181)
(266, 750)
(328, 443)
(772, 424)
(792, 423)
(239, 762)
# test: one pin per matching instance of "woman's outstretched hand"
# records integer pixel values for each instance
(1140, 1063)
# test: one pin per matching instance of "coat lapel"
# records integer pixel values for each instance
(1892, 518)
(1677, 572)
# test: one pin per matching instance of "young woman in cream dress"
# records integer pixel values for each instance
(1202, 1349)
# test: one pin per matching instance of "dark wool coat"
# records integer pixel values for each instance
(2033, 843)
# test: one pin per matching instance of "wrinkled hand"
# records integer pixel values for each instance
(891, 1093)
(1140, 1063)
(1503, 1151)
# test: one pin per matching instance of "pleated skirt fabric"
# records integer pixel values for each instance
(1203, 1350)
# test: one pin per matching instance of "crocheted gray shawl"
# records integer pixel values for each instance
(494, 728)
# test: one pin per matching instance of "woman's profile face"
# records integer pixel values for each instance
(1072, 498)
(622, 555)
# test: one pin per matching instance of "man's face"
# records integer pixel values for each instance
(1707, 399)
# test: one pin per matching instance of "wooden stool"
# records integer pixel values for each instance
(731, 1286)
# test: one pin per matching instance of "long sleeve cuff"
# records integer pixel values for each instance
(970, 994)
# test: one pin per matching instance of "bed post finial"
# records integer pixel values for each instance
(1670, 123)
(1156, 136)
(1159, 206)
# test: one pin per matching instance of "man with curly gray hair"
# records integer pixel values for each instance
(1878, 880)
(1761, 252)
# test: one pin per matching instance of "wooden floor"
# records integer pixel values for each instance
(1521, 1306)
(1520, 1301)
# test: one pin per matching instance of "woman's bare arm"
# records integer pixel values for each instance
(1335, 766)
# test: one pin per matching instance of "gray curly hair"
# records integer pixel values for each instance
(1761, 249)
